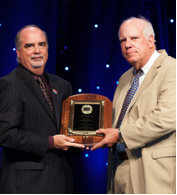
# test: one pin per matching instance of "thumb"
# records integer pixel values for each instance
(100, 131)
(68, 139)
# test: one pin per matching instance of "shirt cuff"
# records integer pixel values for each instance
(51, 142)
(120, 147)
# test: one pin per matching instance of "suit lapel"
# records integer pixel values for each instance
(34, 87)
(56, 98)
(149, 77)
(122, 95)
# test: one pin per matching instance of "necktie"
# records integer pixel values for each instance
(130, 94)
(46, 94)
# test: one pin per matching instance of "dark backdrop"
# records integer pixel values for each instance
(75, 43)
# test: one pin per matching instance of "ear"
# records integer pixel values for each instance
(151, 41)
(18, 52)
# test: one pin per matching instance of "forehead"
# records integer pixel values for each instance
(32, 34)
(131, 27)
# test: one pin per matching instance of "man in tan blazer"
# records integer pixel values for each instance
(142, 153)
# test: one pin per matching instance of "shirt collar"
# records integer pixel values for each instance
(150, 62)
(43, 77)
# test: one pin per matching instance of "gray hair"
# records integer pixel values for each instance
(18, 41)
(147, 29)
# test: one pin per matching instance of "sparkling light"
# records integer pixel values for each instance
(79, 90)
(106, 164)
(171, 20)
(86, 155)
(66, 68)
(98, 87)
(107, 65)
(14, 49)
(96, 25)
(117, 82)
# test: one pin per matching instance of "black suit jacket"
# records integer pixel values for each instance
(26, 122)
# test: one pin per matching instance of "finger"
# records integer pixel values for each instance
(76, 145)
(68, 139)
(101, 131)
(98, 145)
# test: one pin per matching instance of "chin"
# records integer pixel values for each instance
(37, 66)
(132, 60)
(38, 69)
(38, 72)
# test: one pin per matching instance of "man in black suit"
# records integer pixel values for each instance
(35, 157)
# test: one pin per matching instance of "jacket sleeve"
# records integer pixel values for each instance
(12, 135)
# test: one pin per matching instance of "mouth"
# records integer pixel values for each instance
(37, 58)
(37, 61)
(130, 53)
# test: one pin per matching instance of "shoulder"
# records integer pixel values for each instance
(129, 72)
(124, 80)
(126, 77)
(9, 79)
(169, 62)
(60, 84)
(10, 88)
(166, 65)
(166, 60)
(57, 79)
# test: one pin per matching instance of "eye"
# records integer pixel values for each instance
(135, 38)
(122, 40)
(42, 44)
(29, 45)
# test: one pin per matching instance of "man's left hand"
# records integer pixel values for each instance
(111, 138)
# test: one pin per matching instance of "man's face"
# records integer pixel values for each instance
(136, 49)
(33, 53)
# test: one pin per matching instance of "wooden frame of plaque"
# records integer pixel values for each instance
(83, 114)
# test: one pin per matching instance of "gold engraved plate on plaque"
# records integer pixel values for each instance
(85, 117)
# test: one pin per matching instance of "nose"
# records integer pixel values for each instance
(36, 49)
(128, 44)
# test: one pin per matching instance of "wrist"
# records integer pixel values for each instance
(51, 143)
(120, 139)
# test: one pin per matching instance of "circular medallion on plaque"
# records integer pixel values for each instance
(87, 109)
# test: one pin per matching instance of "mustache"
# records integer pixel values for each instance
(36, 56)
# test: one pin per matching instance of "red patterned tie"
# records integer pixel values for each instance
(130, 94)
(46, 94)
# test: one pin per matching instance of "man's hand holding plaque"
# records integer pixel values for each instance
(111, 137)
(63, 142)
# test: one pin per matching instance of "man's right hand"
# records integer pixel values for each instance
(63, 142)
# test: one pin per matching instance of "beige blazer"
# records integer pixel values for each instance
(149, 127)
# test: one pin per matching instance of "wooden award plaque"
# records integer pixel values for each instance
(83, 114)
